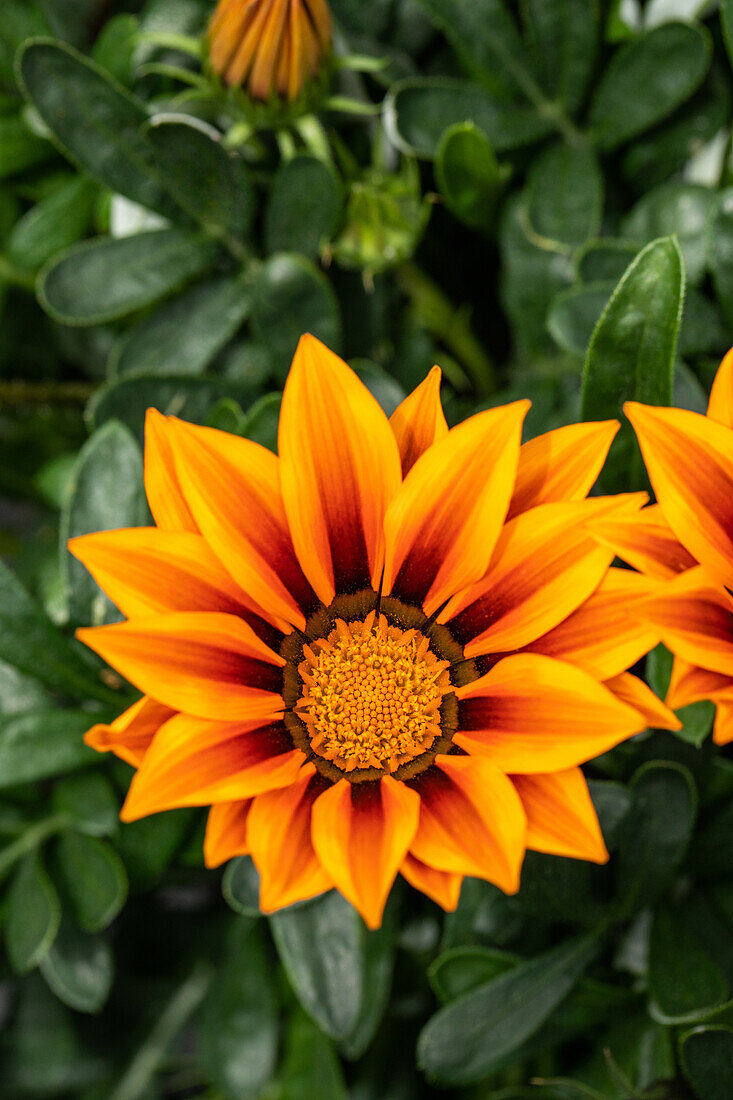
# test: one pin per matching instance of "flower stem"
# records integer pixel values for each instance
(33, 836)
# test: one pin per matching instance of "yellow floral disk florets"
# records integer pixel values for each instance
(372, 694)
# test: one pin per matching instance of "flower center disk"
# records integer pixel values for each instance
(372, 694)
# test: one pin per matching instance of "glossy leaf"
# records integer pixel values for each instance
(684, 981)
(53, 224)
(79, 969)
(304, 207)
(563, 37)
(564, 194)
(310, 1066)
(241, 886)
(38, 744)
(683, 209)
(94, 877)
(33, 916)
(707, 1060)
(89, 800)
(469, 176)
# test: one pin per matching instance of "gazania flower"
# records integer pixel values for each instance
(269, 46)
(386, 651)
(688, 539)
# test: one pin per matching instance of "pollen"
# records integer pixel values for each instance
(372, 694)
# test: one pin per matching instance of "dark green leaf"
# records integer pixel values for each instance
(79, 969)
(646, 80)
(262, 420)
(564, 194)
(722, 258)
(697, 718)
(43, 743)
(105, 279)
(89, 800)
(289, 297)
(239, 1033)
(53, 224)
(311, 1067)
(379, 956)
(707, 1060)
(148, 846)
(467, 1038)
(19, 148)
(106, 494)
(575, 313)
(241, 886)
(684, 980)
(95, 879)
(683, 209)
(612, 803)
(469, 176)
(33, 916)
(563, 35)
(726, 19)
(462, 969)
(182, 336)
(207, 181)
(94, 121)
(604, 260)
(304, 207)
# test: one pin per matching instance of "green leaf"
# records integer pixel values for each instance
(563, 37)
(95, 122)
(646, 79)
(379, 949)
(103, 280)
(656, 833)
(240, 1025)
(211, 183)
(726, 20)
(632, 350)
(462, 969)
(148, 846)
(289, 297)
(465, 1040)
(310, 1067)
(33, 916)
(241, 886)
(612, 802)
(564, 194)
(697, 718)
(183, 335)
(19, 148)
(707, 1061)
(722, 257)
(89, 800)
(683, 209)
(95, 879)
(304, 207)
(106, 494)
(418, 111)
(684, 980)
(575, 313)
(469, 176)
(79, 969)
(320, 947)
(604, 260)
(262, 420)
(43, 743)
(53, 224)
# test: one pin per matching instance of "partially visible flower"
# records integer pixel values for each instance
(271, 47)
(387, 650)
(687, 539)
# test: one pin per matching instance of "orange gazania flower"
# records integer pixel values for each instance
(386, 651)
(687, 538)
(269, 46)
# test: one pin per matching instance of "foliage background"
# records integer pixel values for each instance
(524, 195)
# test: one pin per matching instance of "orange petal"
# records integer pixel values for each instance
(471, 821)
(605, 636)
(442, 528)
(689, 459)
(361, 832)
(690, 684)
(723, 728)
(419, 421)
(561, 465)
(130, 735)
(720, 407)
(535, 714)
(233, 489)
(340, 468)
(544, 566)
(226, 832)
(147, 571)
(633, 691)
(443, 887)
(162, 487)
(694, 618)
(193, 762)
(208, 664)
(561, 818)
(279, 838)
(644, 540)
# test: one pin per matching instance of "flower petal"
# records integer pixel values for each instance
(471, 821)
(605, 636)
(561, 818)
(723, 728)
(531, 713)
(633, 691)
(361, 832)
(226, 832)
(689, 459)
(130, 735)
(644, 540)
(443, 887)
(419, 421)
(690, 684)
(694, 618)
(544, 566)
(340, 468)
(232, 487)
(279, 838)
(162, 487)
(561, 465)
(208, 664)
(442, 527)
(194, 762)
(720, 407)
